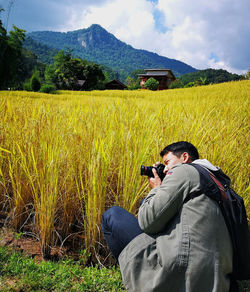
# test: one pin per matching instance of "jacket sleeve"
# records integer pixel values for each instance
(163, 202)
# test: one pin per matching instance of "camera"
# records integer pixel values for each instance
(147, 170)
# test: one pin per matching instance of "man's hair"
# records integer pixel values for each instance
(178, 148)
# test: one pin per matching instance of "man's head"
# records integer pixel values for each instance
(179, 152)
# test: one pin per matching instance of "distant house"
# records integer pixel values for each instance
(80, 84)
(163, 76)
(115, 84)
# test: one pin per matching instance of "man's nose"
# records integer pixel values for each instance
(165, 169)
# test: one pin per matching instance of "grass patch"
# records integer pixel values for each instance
(21, 273)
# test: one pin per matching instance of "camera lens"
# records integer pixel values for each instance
(147, 170)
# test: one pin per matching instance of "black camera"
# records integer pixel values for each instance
(147, 170)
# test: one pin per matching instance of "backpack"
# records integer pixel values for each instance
(216, 185)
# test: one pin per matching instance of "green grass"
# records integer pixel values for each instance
(22, 273)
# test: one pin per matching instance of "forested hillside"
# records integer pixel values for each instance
(210, 76)
(97, 45)
(204, 77)
(44, 53)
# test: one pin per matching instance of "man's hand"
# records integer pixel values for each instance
(154, 181)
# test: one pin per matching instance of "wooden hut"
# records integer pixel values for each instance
(163, 76)
(115, 84)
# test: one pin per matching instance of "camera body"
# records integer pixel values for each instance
(147, 170)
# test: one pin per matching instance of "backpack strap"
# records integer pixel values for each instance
(220, 186)
(210, 185)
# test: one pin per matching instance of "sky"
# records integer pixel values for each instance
(201, 33)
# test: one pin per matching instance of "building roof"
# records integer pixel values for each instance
(115, 83)
(80, 82)
(157, 72)
(157, 69)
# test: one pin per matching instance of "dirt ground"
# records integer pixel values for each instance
(29, 246)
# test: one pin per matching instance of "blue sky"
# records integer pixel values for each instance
(201, 33)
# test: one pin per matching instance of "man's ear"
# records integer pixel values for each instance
(186, 157)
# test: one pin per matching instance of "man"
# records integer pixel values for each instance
(178, 243)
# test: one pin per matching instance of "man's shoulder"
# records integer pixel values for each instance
(182, 167)
(183, 170)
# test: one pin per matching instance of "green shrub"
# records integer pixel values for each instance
(35, 82)
(134, 87)
(176, 84)
(151, 84)
(26, 85)
(190, 84)
(48, 88)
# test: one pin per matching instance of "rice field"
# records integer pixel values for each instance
(65, 158)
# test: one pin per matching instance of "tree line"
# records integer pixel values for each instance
(205, 77)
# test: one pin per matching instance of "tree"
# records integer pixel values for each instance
(93, 76)
(132, 83)
(10, 56)
(16, 63)
(35, 82)
(176, 84)
(49, 75)
(66, 72)
(134, 74)
(203, 80)
(247, 75)
(151, 84)
(63, 75)
(109, 73)
(14, 55)
(132, 80)
(3, 52)
(27, 65)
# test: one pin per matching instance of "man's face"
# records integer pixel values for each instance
(170, 160)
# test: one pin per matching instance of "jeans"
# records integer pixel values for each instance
(119, 228)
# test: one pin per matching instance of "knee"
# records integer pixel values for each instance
(112, 212)
(109, 219)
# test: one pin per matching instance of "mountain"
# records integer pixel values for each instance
(44, 53)
(97, 45)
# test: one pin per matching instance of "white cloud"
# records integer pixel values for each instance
(199, 28)
(195, 29)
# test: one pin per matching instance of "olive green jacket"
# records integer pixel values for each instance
(185, 247)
